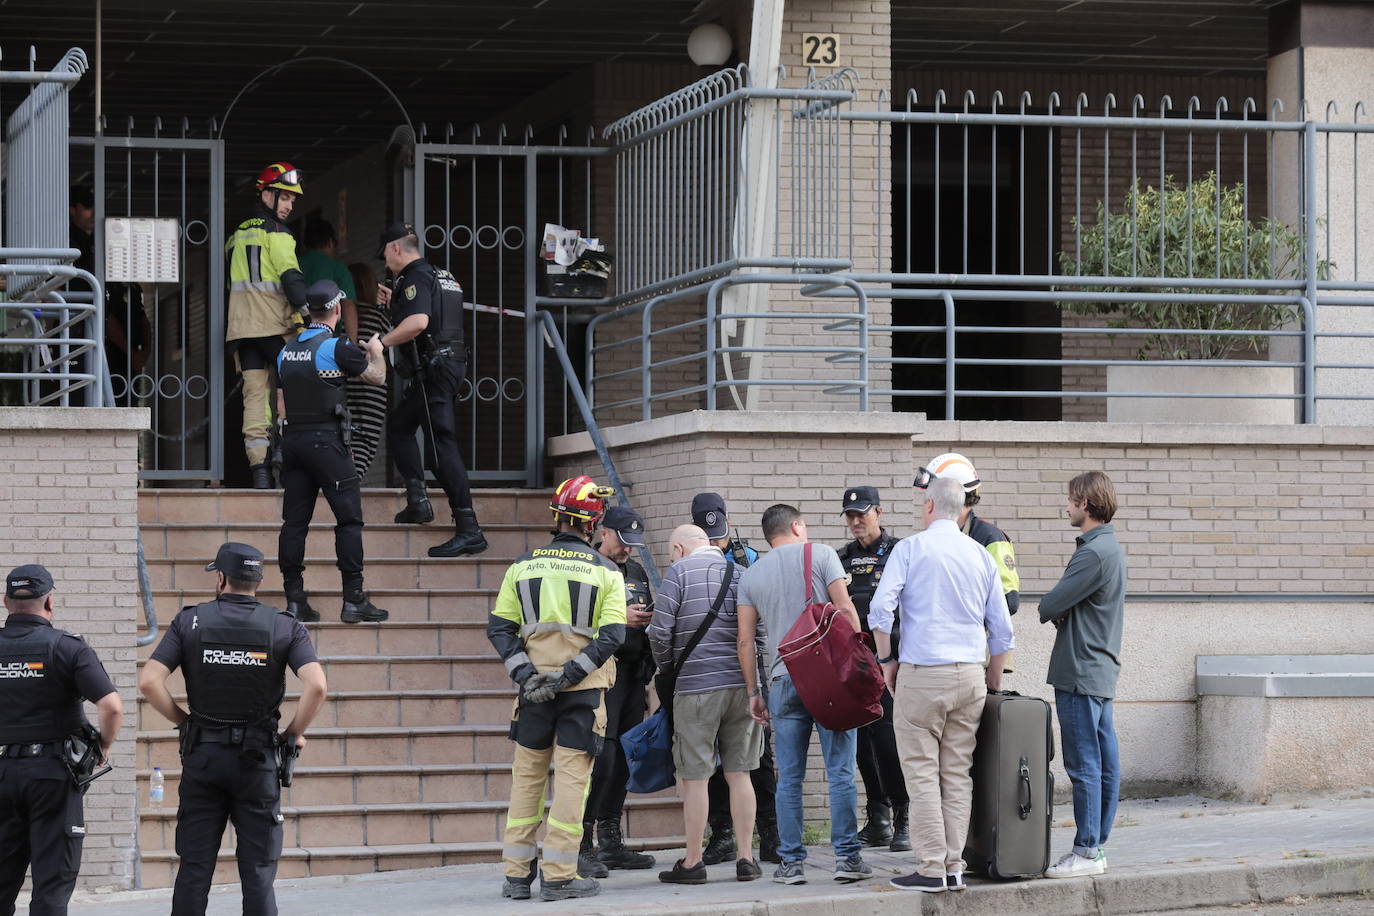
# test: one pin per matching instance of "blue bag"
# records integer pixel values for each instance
(649, 745)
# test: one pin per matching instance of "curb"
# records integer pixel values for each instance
(1142, 890)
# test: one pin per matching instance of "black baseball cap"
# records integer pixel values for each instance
(31, 581)
(626, 523)
(322, 296)
(860, 499)
(392, 233)
(708, 514)
(238, 561)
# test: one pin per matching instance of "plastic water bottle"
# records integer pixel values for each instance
(156, 788)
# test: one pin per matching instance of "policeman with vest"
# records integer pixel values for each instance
(427, 318)
(266, 291)
(558, 621)
(315, 454)
(44, 675)
(880, 766)
(233, 652)
(622, 530)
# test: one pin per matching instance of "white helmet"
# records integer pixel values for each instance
(952, 465)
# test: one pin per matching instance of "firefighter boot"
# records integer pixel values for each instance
(418, 510)
(467, 537)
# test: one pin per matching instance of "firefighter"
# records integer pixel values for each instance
(427, 318)
(952, 464)
(315, 453)
(266, 294)
(558, 620)
(233, 652)
(44, 674)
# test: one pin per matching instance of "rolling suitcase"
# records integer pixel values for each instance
(1013, 789)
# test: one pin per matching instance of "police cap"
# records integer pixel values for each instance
(394, 233)
(323, 296)
(708, 514)
(626, 523)
(238, 561)
(860, 499)
(31, 581)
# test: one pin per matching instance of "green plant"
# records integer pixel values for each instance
(1205, 234)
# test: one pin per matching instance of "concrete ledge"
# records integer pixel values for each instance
(1285, 675)
(26, 419)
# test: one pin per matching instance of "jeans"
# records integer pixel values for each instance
(1093, 763)
(792, 726)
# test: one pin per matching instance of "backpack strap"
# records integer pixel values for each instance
(710, 617)
(806, 569)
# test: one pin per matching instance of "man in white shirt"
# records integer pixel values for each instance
(953, 613)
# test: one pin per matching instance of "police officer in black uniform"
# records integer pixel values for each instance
(234, 652)
(315, 456)
(880, 765)
(622, 530)
(427, 317)
(44, 675)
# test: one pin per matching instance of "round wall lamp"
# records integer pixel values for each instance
(709, 45)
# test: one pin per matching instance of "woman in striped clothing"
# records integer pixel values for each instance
(367, 403)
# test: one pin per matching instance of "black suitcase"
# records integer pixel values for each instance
(1013, 789)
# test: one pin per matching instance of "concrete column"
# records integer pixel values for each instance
(1320, 53)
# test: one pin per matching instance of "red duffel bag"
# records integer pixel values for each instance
(833, 668)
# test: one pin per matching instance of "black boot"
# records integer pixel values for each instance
(588, 865)
(878, 830)
(418, 510)
(298, 602)
(358, 608)
(262, 476)
(613, 852)
(722, 845)
(901, 829)
(768, 844)
(467, 537)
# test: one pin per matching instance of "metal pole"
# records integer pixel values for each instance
(1309, 356)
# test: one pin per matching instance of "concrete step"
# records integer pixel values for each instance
(159, 865)
(162, 540)
(395, 637)
(483, 571)
(418, 745)
(375, 785)
(379, 505)
(402, 672)
(383, 707)
(316, 826)
(406, 605)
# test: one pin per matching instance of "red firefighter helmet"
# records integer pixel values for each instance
(281, 175)
(580, 498)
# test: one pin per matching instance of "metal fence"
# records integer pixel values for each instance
(51, 348)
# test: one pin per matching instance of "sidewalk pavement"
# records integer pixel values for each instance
(1164, 854)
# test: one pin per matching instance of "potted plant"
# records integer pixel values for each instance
(1205, 234)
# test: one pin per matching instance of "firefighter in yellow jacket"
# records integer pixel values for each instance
(558, 620)
(266, 292)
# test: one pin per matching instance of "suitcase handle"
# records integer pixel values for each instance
(1023, 789)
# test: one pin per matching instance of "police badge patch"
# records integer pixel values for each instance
(410, 291)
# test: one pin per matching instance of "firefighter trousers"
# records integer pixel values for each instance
(572, 770)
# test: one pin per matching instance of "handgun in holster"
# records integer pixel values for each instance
(287, 753)
(81, 754)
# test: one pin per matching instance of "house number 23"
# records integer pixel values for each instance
(820, 50)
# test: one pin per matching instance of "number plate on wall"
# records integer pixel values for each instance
(820, 50)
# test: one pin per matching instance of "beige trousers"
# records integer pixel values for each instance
(572, 771)
(935, 715)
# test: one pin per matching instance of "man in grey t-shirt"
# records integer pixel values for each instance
(772, 595)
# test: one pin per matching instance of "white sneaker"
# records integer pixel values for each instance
(1072, 865)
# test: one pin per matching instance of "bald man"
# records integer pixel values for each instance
(710, 703)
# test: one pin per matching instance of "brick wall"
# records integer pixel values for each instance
(68, 483)
(1208, 514)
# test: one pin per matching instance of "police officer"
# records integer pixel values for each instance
(44, 675)
(558, 620)
(234, 652)
(621, 530)
(708, 514)
(994, 539)
(266, 290)
(427, 314)
(880, 765)
(315, 454)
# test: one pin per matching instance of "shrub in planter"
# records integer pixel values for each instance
(1224, 245)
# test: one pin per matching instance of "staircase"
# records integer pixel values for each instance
(408, 764)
